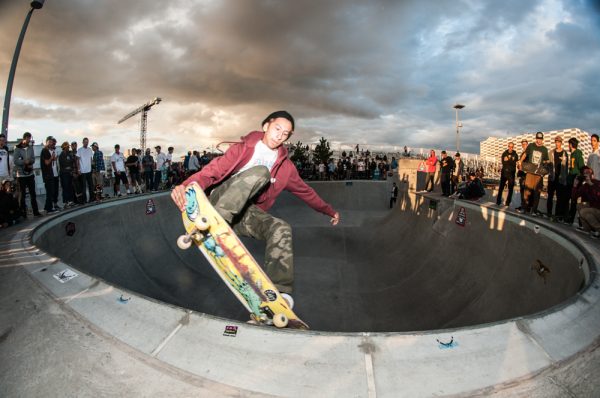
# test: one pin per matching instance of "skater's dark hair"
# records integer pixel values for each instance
(278, 114)
(596, 137)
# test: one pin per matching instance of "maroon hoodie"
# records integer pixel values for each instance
(283, 175)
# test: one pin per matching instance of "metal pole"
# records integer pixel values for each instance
(35, 5)
(457, 131)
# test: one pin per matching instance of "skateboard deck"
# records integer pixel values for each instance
(222, 248)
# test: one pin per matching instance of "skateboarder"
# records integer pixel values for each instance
(247, 180)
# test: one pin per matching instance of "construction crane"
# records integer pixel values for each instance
(144, 111)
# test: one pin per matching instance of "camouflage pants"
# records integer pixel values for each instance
(233, 200)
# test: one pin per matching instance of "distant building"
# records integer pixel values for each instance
(493, 147)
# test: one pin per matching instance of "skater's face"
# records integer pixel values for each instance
(277, 131)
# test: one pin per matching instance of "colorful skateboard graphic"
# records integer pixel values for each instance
(233, 262)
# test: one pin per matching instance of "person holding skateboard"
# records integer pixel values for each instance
(536, 155)
(245, 183)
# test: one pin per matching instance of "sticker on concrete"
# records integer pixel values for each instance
(433, 204)
(461, 218)
(150, 207)
(65, 276)
(230, 331)
(448, 344)
(123, 300)
(70, 229)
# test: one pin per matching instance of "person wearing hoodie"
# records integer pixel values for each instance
(24, 158)
(245, 183)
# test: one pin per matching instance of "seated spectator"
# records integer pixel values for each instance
(9, 205)
(471, 190)
(587, 188)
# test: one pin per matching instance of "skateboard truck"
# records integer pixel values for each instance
(184, 242)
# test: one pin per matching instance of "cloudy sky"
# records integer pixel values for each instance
(377, 72)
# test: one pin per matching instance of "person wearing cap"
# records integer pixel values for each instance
(24, 159)
(457, 173)
(85, 155)
(593, 160)
(5, 172)
(67, 167)
(446, 167)
(576, 163)
(98, 167)
(117, 161)
(509, 161)
(161, 161)
(247, 180)
(557, 181)
(133, 165)
(537, 155)
(49, 166)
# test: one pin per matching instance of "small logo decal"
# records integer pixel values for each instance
(150, 207)
(191, 204)
(230, 331)
(271, 295)
(461, 218)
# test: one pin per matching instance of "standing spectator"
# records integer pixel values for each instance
(161, 160)
(361, 168)
(322, 170)
(133, 165)
(140, 169)
(85, 155)
(66, 162)
(117, 161)
(394, 195)
(49, 166)
(9, 206)
(5, 173)
(148, 166)
(593, 160)
(24, 158)
(169, 154)
(98, 167)
(521, 176)
(458, 172)
(507, 174)
(431, 164)
(331, 169)
(446, 167)
(394, 165)
(194, 163)
(557, 180)
(186, 161)
(576, 163)
(77, 179)
(537, 155)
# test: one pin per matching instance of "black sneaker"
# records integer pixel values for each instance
(537, 213)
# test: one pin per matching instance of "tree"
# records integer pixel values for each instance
(322, 151)
(298, 153)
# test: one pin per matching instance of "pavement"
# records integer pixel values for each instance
(411, 269)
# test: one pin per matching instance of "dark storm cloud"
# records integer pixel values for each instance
(381, 71)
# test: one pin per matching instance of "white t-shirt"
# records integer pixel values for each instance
(161, 159)
(85, 156)
(262, 156)
(119, 160)
(594, 162)
(54, 163)
(4, 163)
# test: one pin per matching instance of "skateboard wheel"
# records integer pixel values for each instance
(184, 242)
(280, 320)
(202, 223)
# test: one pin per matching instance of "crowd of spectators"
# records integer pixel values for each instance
(348, 166)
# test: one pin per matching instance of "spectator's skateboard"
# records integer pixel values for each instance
(233, 262)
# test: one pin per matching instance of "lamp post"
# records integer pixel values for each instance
(35, 5)
(458, 126)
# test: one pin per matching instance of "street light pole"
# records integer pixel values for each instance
(458, 126)
(35, 5)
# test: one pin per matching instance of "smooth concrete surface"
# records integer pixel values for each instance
(407, 269)
(88, 338)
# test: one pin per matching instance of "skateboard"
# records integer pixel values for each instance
(217, 241)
